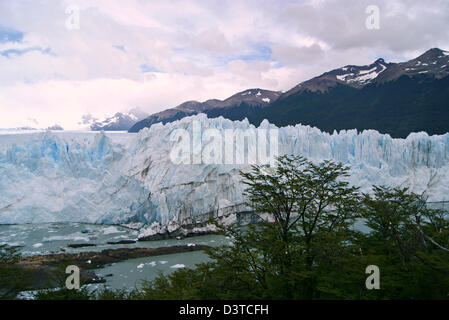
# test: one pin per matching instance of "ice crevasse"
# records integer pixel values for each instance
(130, 179)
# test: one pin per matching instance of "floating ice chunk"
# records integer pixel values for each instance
(73, 237)
(111, 230)
(13, 244)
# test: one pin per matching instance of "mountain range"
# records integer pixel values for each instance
(237, 106)
(118, 122)
(393, 98)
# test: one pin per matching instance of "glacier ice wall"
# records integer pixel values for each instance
(130, 179)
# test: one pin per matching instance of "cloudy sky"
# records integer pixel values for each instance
(62, 59)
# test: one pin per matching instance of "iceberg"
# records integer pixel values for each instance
(130, 179)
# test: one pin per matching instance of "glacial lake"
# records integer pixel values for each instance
(38, 239)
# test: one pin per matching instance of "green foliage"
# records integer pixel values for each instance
(313, 208)
(82, 293)
(12, 279)
(117, 294)
(409, 242)
(87, 293)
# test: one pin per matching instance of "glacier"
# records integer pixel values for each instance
(130, 179)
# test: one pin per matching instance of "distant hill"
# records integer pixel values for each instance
(55, 127)
(118, 122)
(238, 105)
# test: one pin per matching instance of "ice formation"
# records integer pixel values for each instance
(121, 178)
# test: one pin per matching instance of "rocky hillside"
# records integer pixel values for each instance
(233, 107)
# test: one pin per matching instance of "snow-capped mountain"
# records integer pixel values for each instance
(118, 122)
(394, 98)
(350, 75)
(360, 76)
(131, 179)
(434, 62)
(250, 99)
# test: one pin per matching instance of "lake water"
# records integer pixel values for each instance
(37, 239)
(130, 273)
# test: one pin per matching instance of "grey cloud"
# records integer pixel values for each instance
(292, 55)
(211, 40)
(405, 25)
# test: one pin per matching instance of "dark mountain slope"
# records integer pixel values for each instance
(235, 107)
(407, 104)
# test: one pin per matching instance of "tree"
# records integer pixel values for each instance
(312, 207)
(408, 241)
(12, 278)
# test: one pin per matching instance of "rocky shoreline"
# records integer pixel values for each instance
(44, 267)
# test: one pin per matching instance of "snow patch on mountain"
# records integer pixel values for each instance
(361, 75)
